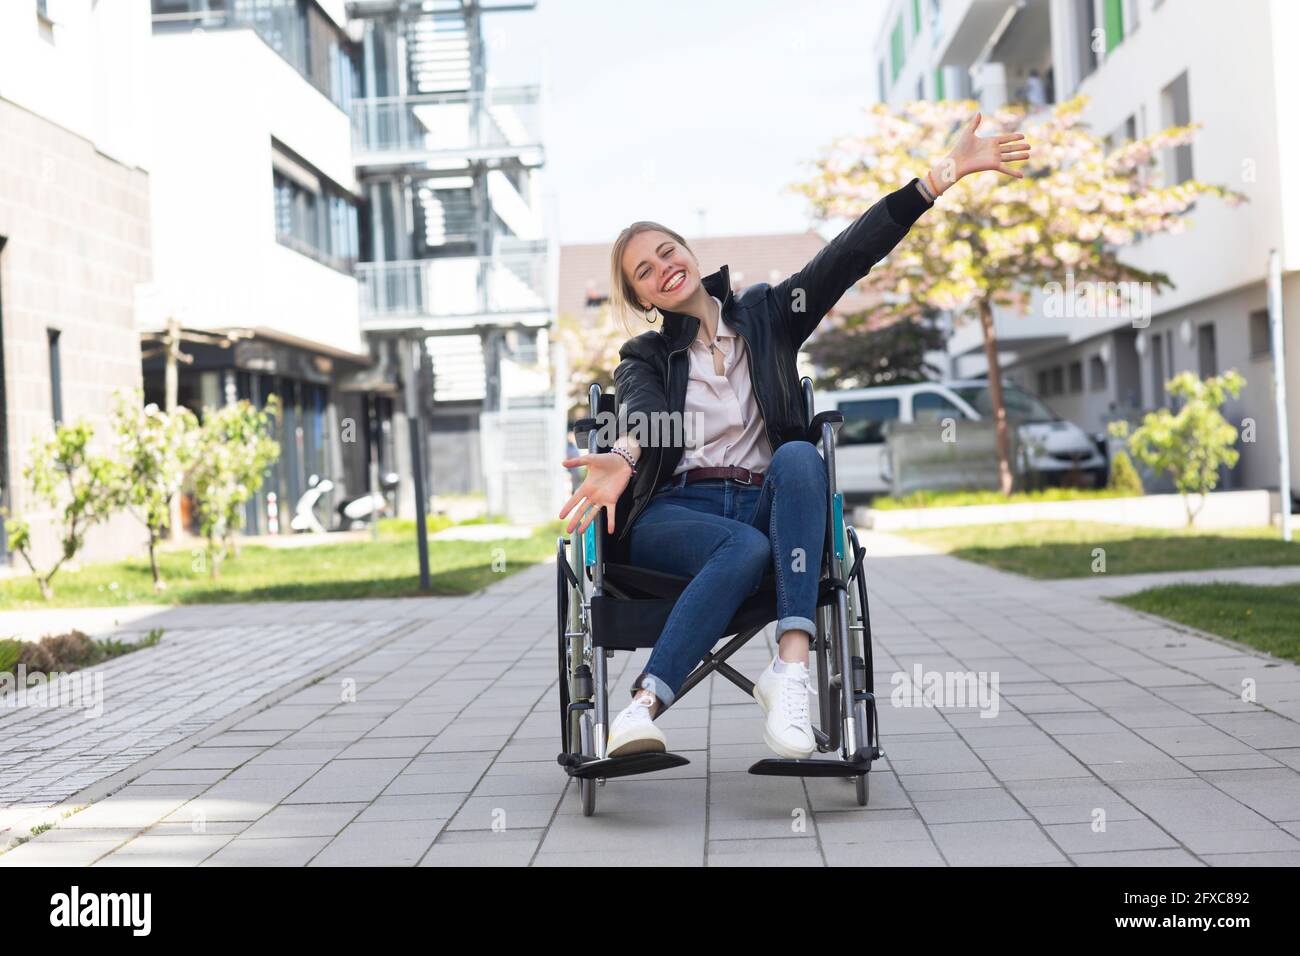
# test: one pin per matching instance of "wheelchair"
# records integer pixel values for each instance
(604, 607)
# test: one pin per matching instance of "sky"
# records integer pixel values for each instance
(696, 113)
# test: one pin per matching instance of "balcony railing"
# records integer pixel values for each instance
(401, 129)
(417, 291)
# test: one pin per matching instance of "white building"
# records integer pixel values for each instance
(454, 250)
(1145, 65)
(255, 225)
(74, 235)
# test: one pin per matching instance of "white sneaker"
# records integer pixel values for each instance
(633, 731)
(784, 698)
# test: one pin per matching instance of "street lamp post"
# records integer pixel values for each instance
(1279, 389)
(414, 420)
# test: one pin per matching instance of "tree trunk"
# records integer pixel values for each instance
(47, 592)
(153, 561)
(171, 390)
(1005, 479)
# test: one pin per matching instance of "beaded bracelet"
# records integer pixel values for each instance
(627, 457)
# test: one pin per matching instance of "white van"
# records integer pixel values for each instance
(1052, 445)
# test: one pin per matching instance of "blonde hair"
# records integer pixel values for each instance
(622, 296)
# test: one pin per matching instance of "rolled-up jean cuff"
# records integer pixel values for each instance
(656, 687)
(794, 624)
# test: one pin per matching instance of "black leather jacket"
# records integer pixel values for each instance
(773, 320)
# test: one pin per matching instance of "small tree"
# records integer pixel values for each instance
(64, 474)
(157, 450)
(1191, 444)
(235, 448)
(994, 240)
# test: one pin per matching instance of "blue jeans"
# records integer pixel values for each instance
(726, 536)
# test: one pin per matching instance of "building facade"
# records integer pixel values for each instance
(74, 236)
(1144, 65)
(454, 251)
(256, 231)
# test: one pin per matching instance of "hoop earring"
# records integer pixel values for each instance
(646, 315)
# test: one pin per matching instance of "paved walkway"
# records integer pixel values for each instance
(1118, 740)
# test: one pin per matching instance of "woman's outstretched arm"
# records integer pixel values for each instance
(803, 299)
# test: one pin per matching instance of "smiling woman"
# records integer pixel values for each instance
(748, 496)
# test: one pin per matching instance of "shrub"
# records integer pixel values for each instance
(1124, 477)
(1189, 445)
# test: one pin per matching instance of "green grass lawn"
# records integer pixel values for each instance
(388, 567)
(1265, 617)
(953, 499)
(1064, 549)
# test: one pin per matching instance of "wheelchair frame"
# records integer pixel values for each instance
(847, 719)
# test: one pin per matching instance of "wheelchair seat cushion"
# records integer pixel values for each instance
(638, 601)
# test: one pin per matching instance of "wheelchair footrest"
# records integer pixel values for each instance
(588, 768)
(778, 767)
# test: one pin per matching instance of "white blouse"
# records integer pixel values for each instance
(722, 409)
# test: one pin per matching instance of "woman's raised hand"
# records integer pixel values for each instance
(607, 476)
(973, 154)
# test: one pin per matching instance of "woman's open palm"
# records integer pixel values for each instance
(607, 476)
(973, 154)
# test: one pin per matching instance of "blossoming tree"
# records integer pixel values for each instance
(994, 240)
(157, 449)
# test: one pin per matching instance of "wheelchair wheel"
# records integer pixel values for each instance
(860, 641)
(562, 616)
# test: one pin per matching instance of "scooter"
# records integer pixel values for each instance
(361, 511)
(304, 511)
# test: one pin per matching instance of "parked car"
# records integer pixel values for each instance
(1051, 446)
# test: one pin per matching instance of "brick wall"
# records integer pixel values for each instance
(76, 225)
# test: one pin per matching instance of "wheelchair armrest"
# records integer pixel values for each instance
(821, 418)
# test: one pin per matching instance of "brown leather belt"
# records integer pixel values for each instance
(742, 475)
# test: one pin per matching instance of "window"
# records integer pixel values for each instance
(1158, 368)
(1123, 134)
(1096, 374)
(865, 420)
(1058, 380)
(938, 83)
(1261, 334)
(933, 407)
(44, 25)
(1085, 24)
(1113, 14)
(56, 375)
(1176, 107)
(1076, 377)
(896, 50)
(312, 214)
(920, 87)
(1020, 405)
(1207, 355)
(884, 90)
(916, 18)
(1044, 382)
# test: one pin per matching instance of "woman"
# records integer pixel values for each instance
(746, 495)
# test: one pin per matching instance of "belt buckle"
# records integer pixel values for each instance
(748, 479)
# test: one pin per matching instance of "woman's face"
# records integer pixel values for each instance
(663, 273)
